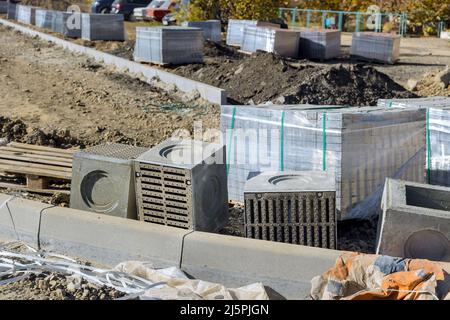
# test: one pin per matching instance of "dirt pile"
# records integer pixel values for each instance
(56, 286)
(18, 131)
(262, 77)
(430, 86)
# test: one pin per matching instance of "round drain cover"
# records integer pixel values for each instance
(428, 244)
(182, 153)
(99, 192)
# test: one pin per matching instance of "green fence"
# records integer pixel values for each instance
(345, 20)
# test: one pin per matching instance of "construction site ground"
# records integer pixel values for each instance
(52, 97)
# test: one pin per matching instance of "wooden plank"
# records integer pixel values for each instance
(43, 153)
(34, 165)
(40, 148)
(36, 171)
(36, 183)
(25, 188)
(34, 159)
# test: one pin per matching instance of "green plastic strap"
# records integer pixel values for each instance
(282, 143)
(428, 148)
(230, 140)
(390, 104)
(324, 141)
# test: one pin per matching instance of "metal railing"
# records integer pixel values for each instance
(345, 20)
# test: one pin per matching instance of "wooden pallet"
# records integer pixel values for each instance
(39, 166)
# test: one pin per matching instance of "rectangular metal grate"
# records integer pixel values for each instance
(164, 195)
(307, 218)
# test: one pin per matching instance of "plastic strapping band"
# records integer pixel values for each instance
(282, 143)
(230, 140)
(324, 141)
(428, 147)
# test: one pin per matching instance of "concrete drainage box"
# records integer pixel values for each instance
(281, 42)
(292, 207)
(103, 27)
(169, 45)
(415, 221)
(320, 43)
(383, 47)
(183, 184)
(212, 29)
(26, 14)
(360, 146)
(103, 180)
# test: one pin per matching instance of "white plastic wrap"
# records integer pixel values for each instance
(384, 47)
(360, 146)
(212, 29)
(26, 14)
(320, 43)
(44, 18)
(438, 134)
(103, 27)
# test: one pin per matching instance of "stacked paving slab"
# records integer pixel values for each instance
(44, 18)
(12, 11)
(103, 27)
(361, 146)
(320, 44)
(236, 28)
(438, 142)
(3, 6)
(383, 47)
(26, 14)
(169, 45)
(281, 42)
(211, 29)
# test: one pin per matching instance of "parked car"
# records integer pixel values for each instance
(169, 19)
(101, 6)
(126, 7)
(156, 10)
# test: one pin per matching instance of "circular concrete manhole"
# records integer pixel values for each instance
(428, 244)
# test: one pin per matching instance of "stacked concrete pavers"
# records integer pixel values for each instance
(438, 134)
(361, 146)
(282, 42)
(103, 27)
(169, 45)
(211, 29)
(382, 47)
(44, 18)
(320, 44)
(3, 6)
(26, 14)
(236, 28)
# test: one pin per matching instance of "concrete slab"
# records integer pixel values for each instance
(287, 269)
(212, 94)
(415, 221)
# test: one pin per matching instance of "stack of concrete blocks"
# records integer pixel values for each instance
(296, 207)
(44, 18)
(236, 28)
(3, 6)
(103, 27)
(12, 11)
(320, 44)
(438, 133)
(382, 47)
(58, 22)
(361, 146)
(26, 14)
(169, 45)
(281, 42)
(212, 29)
(415, 221)
(72, 24)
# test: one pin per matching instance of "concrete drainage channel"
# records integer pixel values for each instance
(108, 240)
(207, 92)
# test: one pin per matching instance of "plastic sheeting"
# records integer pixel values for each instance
(212, 29)
(384, 47)
(12, 11)
(26, 14)
(138, 280)
(438, 134)
(360, 146)
(282, 42)
(44, 18)
(3, 6)
(169, 45)
(103, 27)
(320, 43)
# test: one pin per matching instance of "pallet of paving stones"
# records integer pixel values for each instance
(376, 47)
(103, 27)
(320, 44)
(212, 29)
(35, 168)
(361, 146)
